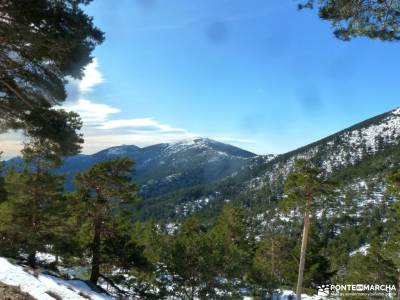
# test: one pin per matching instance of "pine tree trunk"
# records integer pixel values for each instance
(95, 273)
(32, 259)
(272, 256)
(32, 255)
(34, 217)
(35, 199)
(398, 287)
(34, 213)
(306, 229)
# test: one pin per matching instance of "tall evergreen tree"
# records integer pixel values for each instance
(268, 263)
(186, 260)
(146, 281)
(29, 210)
(3, 193)
(208, 263)
(3, 198)
(42, 43)
(303, 188)
(101, 208)
(233, 245)
(36, 194)
(391, 249)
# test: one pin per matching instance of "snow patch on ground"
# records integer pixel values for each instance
(362, 250)
(289, 295)
(190, 207)
(38, 286)
(45, 257)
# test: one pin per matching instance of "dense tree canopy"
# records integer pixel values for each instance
(43, 148)
(28, 214)
(376, 19)
(42, 42)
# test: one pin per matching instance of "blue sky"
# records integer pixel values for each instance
(257, 74)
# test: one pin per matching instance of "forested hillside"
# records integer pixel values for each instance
(349, 226)
(196, 218)
(261, 183)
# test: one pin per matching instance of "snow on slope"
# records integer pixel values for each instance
(205, 146)
(38, 286)
(342, 149)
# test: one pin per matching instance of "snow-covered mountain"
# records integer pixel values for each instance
(345, 148)
(367, 148)
(178, 179)
(167, 167)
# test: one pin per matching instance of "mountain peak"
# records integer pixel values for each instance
(119, 150)
(206, 144)
(396, 111)
(192, 141)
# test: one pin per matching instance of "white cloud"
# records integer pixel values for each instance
(100, 129)
(129, 123)
(102, 140)
(91, 112)
(77, 100)
(91, 77)
(140, 132)
(141, 125)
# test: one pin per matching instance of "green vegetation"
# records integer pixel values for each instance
(42, 43)
(251, 245)
(349, 19)
(303, 187)
(248, 240)
(101, 213)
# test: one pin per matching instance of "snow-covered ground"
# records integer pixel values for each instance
(286, 295)
(39, 285)
(290, 295)
(362, 250)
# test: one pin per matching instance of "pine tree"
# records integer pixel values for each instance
(372, 266)
(185, 258)
(60, 137)
(28, 211)
(317, 266)
(36, 194)
(233, 245)
(349, 19)
(3, 198)
(391, 249)
(3, 193)
(147, 279)
(268, 263)
(102, 209)
(43, 42)
(207, 263)
(303, 188)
